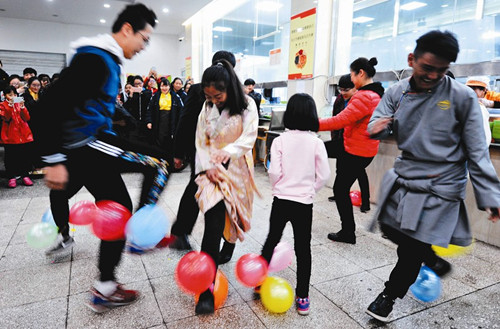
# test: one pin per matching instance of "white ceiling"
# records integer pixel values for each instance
(90, 12)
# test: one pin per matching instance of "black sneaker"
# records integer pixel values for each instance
(365, 209)
(226, 252)
(60, 247)
(180, 242)
(441, 268)
(381, 307)
(340, 237)
(331, 198)
(205, 303)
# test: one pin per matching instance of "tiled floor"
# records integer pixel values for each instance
(345, 278)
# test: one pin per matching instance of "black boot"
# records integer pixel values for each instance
(226, 252)
(441, 267)
(205, 303)
(340, 236)
(180, 242)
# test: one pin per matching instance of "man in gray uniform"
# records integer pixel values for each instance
(437, 124)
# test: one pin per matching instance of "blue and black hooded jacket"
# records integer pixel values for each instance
(79, 107)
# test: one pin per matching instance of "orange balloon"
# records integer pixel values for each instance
(221, 288)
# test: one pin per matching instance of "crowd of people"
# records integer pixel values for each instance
(155, 126)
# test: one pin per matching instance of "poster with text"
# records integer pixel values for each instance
(302, 41)
(188, 67)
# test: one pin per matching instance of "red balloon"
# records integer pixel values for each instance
(355, 198)
(83, 213)
(195, 272)
(110, 222)
(251, 270)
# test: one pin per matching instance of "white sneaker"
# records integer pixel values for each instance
(60, 246)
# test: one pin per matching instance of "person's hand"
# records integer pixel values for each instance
(56, 177)
(213, 175)
(177, 163)
(493, 214)
(22, 104)
(379, 125)
(486, 102)
(150, 126)
(220, 156)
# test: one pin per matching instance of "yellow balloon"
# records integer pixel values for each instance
(452, 250)
(276, 294)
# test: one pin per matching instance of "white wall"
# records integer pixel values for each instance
(27, 35)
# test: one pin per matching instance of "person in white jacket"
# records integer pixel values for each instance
(295, 178)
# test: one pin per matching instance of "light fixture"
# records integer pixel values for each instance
(268, 5)
(222, 29)
(490, 35)
(216, 36)
(369, 25)
(362, 19)
(412, 5)
(107, 5)
(444, 6)
(102, 21)
(248, 21)
(165, 10)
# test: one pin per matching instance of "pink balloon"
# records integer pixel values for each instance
(282, 257)
(83, 213)
(251, 270)
(355, 198)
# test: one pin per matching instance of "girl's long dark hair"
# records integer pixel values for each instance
(223, 78)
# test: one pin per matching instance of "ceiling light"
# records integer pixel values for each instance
(248, 21)
(222, 29)
(362, 19)
(165, 10)
(216, 36)
(107, 5)
(268, 5)
(412, 5)
(444, 6)
(102, 21)
(369, 25)
(490, 35)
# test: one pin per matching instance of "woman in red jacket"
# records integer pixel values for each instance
(16, 137)
(359, 148)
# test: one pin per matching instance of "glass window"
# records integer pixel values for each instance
(258, 34)
(379, 31)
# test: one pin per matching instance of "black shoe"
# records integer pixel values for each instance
(180, 242)
(365, 209)
(340, 237)
(205, 303)
(226, 252)
(331, 198)
(441, 268)
(381, 307)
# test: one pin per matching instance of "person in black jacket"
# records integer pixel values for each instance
(137, 104)
(162, 116)
(249, 90)
(80, 148)
(184, 150)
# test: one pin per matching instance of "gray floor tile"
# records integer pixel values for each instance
(354, 293)
(6, 233)
(236, 316)
(19, 256)
(323, 314)
(475, 272)
(142, 314)
(50, 313)
(84, 272)
(33, 284)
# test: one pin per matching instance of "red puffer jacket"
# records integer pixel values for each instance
(354, 119)
(15, 129)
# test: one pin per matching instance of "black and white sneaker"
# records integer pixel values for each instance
(62, 246)
(381, 307)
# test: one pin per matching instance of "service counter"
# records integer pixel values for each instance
(482, 228)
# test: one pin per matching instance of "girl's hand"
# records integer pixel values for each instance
(22, 104)
(220, 156)
(493, 214)
(213, 175)
(150, 126)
